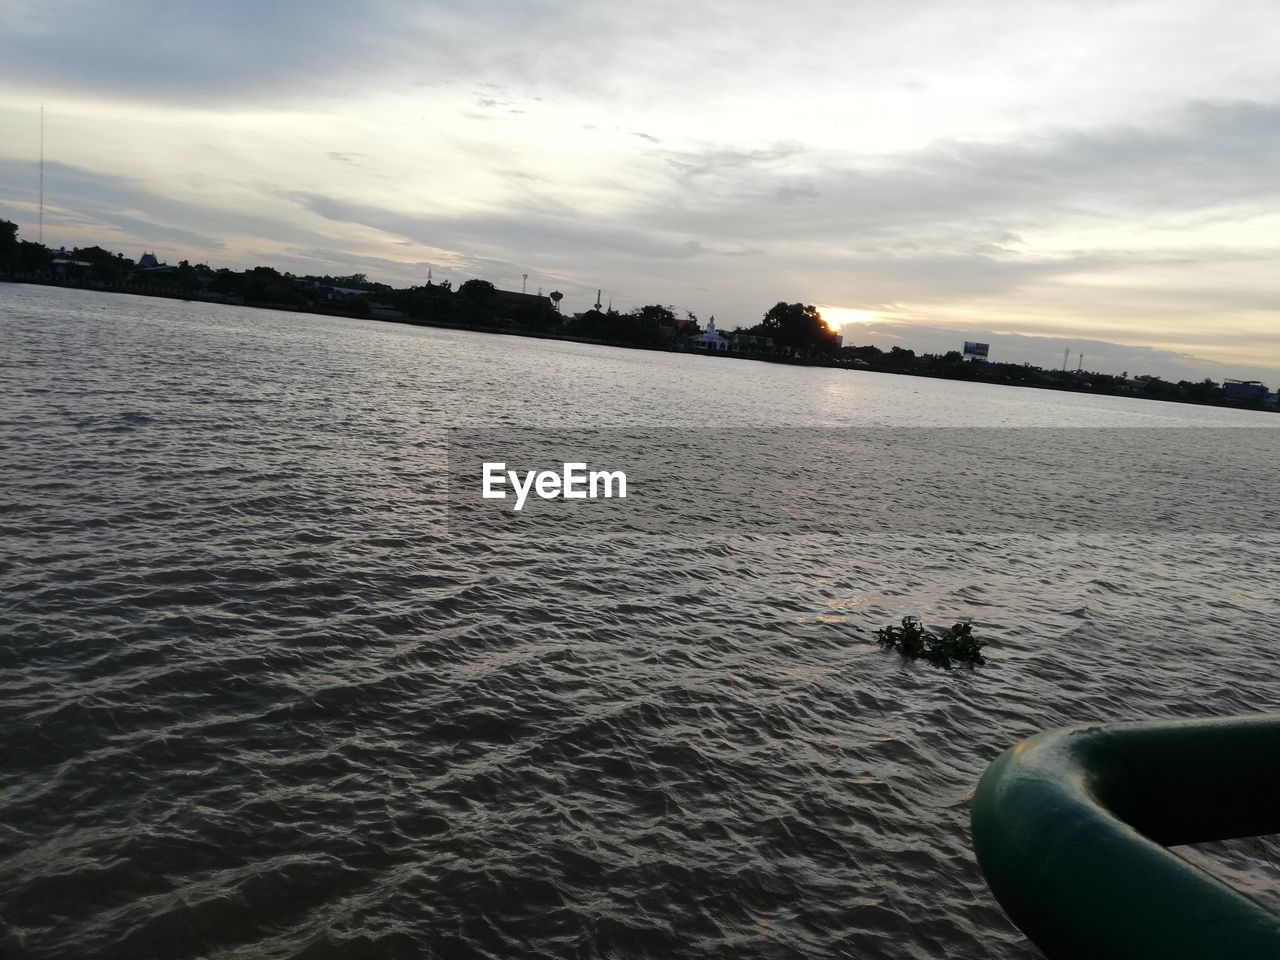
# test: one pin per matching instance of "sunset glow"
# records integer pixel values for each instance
(838, 317)
(1046, 169)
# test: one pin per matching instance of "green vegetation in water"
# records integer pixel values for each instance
(956, 644)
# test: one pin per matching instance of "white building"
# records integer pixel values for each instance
(710, 339)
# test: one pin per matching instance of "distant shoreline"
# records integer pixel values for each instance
(1066, 383)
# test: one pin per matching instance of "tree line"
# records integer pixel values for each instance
(786, 331)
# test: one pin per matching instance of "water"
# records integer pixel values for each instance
(257, 701)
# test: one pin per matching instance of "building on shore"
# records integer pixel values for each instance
(66, 268)
(1250, 391)
(711, 339)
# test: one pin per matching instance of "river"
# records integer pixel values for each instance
(260, 699)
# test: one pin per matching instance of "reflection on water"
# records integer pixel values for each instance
(257, 703)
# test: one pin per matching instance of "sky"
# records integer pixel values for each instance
(1099, 176)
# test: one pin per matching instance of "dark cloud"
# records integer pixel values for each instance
(118, 202)
(84, 197)
(338, 262)
(949, 221)
(528, 229)
(1213, 156)
(235, 52)
(228, 51)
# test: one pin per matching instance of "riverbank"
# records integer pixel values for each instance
(896, 362)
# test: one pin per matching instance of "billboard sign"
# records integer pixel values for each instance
(978, 350)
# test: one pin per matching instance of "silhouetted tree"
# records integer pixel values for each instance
(23, 256)
(1200, 392)
(32, 256)
(476, 300)
(798, 327)
(643, 325)
(227, 282)
(655, 314)
(266, 285)
(430, 302)
(8, 244)
(479, 290)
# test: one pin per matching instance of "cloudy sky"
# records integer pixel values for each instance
(1050, 174)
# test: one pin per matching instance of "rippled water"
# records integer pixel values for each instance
(256, 701)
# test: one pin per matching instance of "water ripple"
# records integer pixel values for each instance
(257, 703)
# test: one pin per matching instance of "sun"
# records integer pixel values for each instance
(837, 317)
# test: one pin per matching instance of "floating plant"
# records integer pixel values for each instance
(942, 648)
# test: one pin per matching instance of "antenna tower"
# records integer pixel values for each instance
(41, 234)
(524, 283)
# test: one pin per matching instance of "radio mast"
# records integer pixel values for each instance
(41, 234)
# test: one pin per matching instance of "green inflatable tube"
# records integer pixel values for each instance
(1071, 828)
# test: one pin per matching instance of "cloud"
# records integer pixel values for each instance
(83, 205)
(519, 229)
(1209, 156)
(873, 76)
(338, 262)
(79, 194)
(193, 53)
(1036, 163)
(727, 165)
(963, 220)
